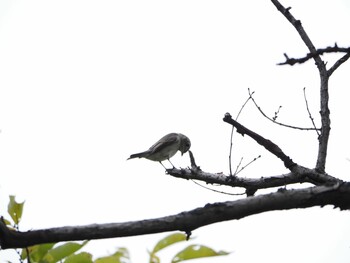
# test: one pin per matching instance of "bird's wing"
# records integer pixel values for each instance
(164, 142)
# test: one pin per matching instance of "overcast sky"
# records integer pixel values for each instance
(84, 84)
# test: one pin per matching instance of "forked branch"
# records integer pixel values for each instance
(274, 118)
(324, 77)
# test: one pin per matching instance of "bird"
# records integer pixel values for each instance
(165, 148)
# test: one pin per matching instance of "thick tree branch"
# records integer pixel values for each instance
(269, 145)
(324, 77)
(325, 124)
(337, 195)
(234, 181)
(299, 174)
(297, 25)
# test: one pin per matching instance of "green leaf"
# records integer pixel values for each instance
(82, 257)
(7, 222)
(154, 258)
(120, 256)
(196, 251)
(169, 240)
(108, 259)
(37, 252)
(122, 252)
(58, 253)
(15, 209)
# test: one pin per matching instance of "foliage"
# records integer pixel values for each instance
(190, 252)
(15, 210)
(69, 252)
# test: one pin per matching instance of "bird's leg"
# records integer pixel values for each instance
(162, 165)
(171, 164)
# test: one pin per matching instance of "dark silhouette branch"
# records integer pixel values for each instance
(234, 181)
(337, 195)
(338, 63)
(324, 95)
(269, 145)
(319, 52)
(297, 25)
(299, 174)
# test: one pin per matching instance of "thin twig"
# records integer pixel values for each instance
(276, 113)
(276, 122)
(245, 166)
(231, 141)
(310, 116)
(237, 167)
(216, 191)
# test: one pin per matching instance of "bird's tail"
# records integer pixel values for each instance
(138, 155)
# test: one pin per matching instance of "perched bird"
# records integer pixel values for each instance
(165, 148)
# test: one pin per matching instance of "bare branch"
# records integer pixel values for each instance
(319, 52)
(338, 63)
(234, 181)
(214, 190)
(274, 119)
(270, 146)
(310, 116)
(324, 96)
(231, 140)
(246, 165)
(337, 195)
(297, 25)
(276, 113)
(325, 124)
(238, 165)
(299, 174)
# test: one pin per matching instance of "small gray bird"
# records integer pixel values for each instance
(165, 148)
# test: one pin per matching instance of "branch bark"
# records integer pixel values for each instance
(320, 51)
(337, 195)
(300, 174)
(269, 145)
(324, 77)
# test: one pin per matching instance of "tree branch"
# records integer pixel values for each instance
(338, 63)
(337, 195)
(324, 96)
(320, 51)
(310, 116)
(299, 174)
(297, 25)
(274, 120)
(270, 146)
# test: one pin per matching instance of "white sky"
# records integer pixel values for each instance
(83, 84)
